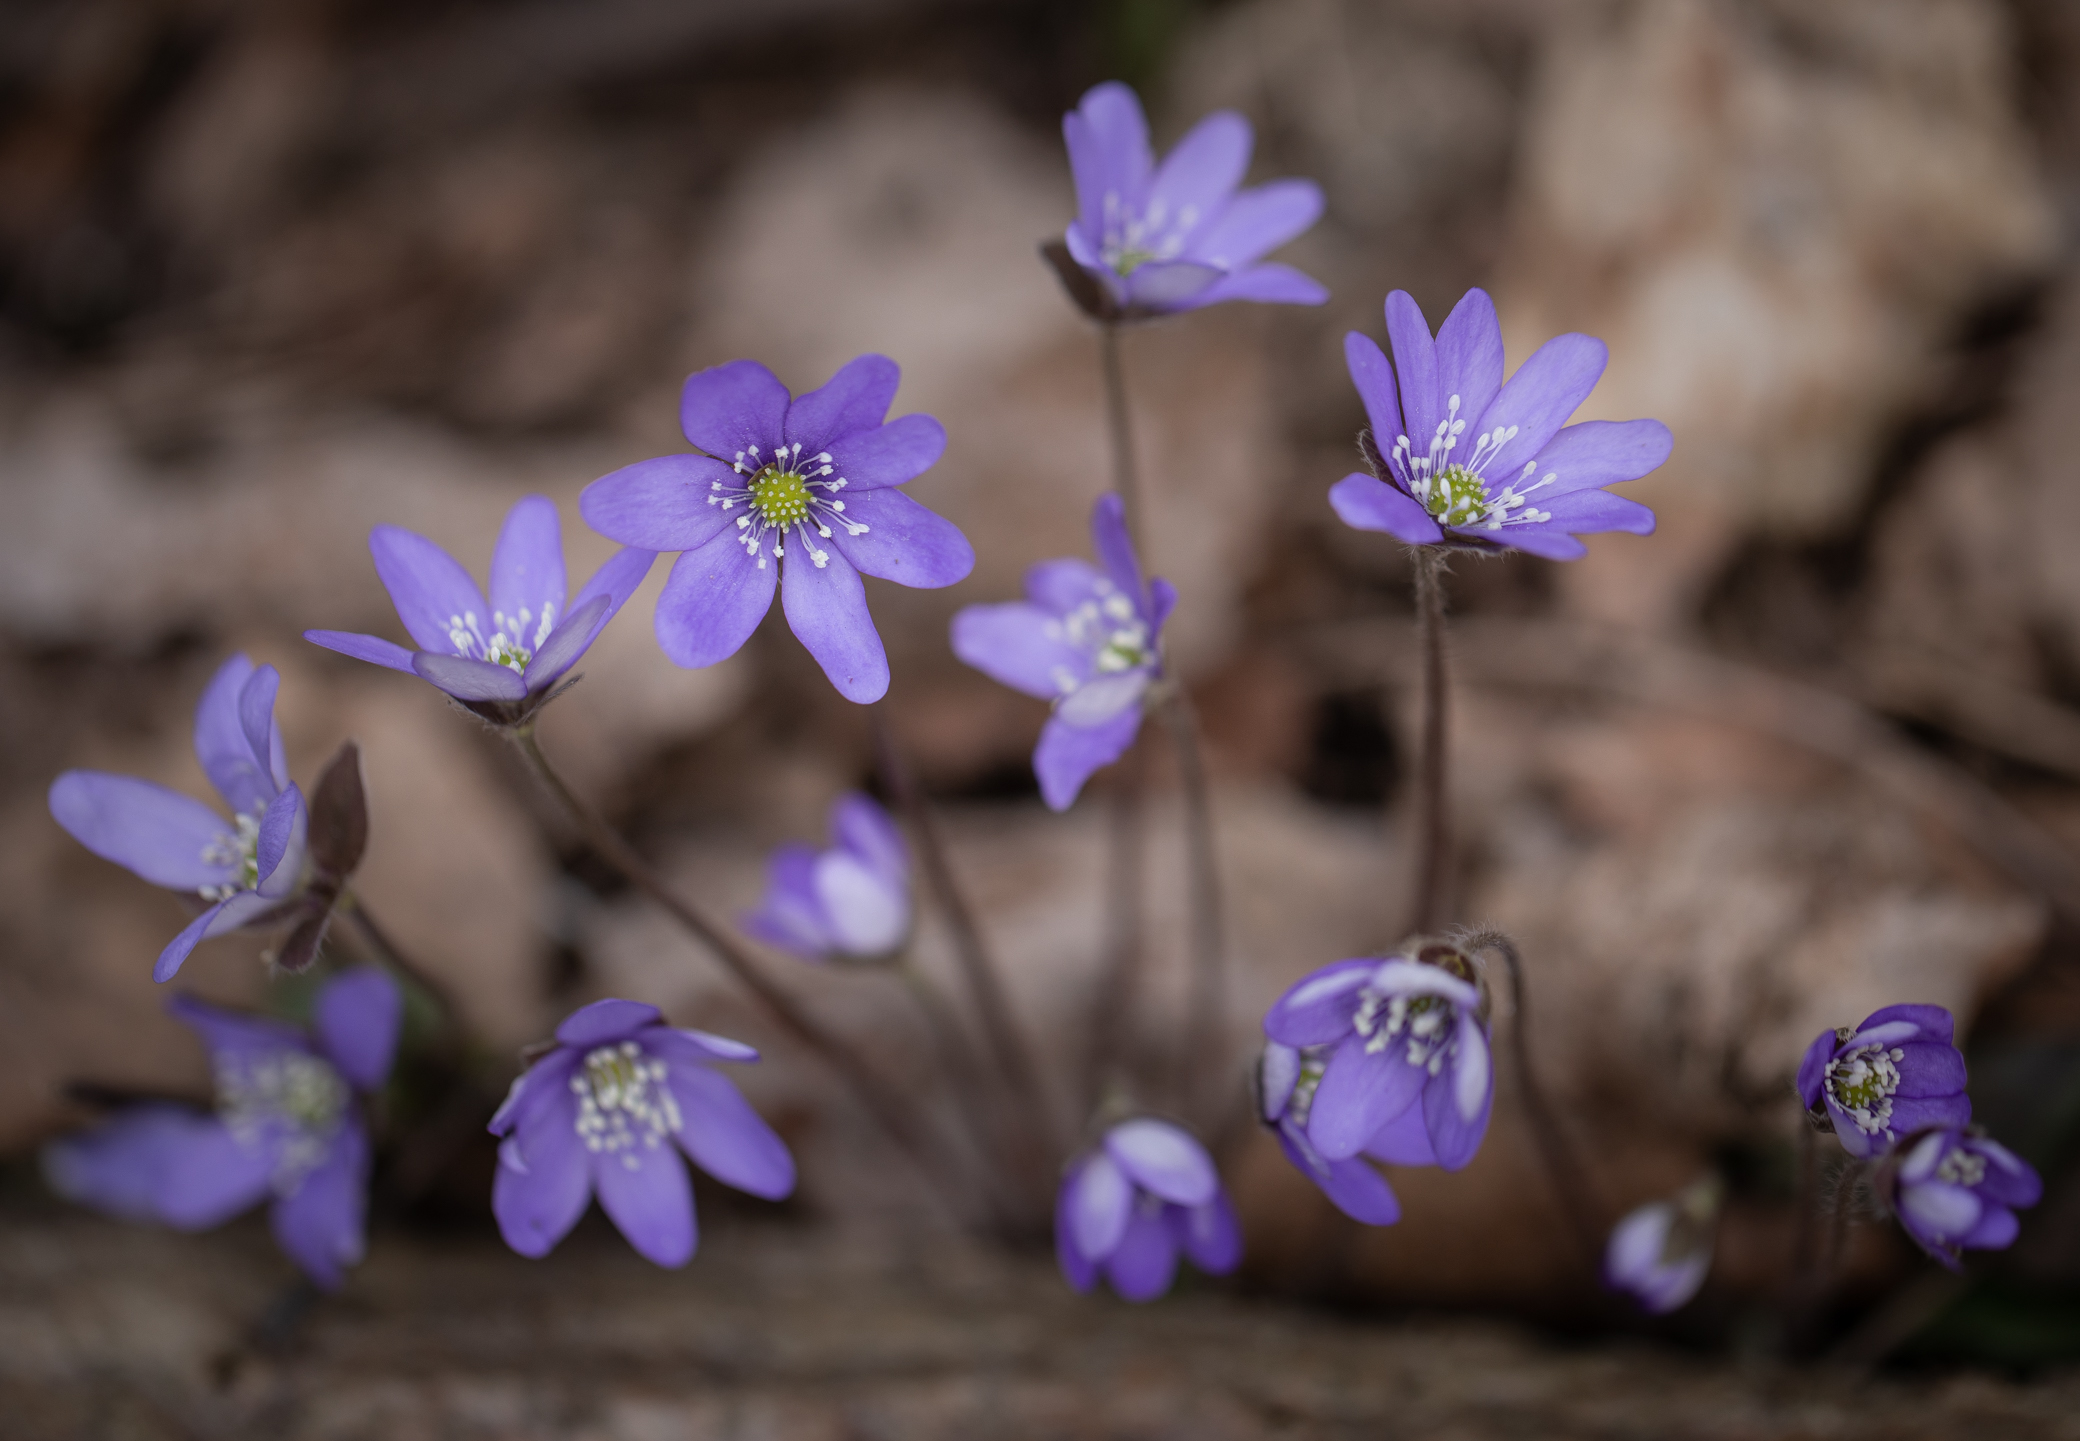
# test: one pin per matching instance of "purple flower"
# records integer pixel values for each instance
(1179, 236)
(247, 868)
(1524, 482)
(1896, 1073)
(1286, 1083)
(499, 657)
(1128, 1207)
(1086, 639)
(849, 903)
(767, 489)
(1954, 1189)
(1403, 1048)
(1659, 1253)
(286, 1126)
(604, 1109)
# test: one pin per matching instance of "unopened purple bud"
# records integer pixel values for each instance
(851, 902)
(1955, 1189)
(1659, 1254)
(1128, 1207)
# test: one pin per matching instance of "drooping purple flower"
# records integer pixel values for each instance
(1400, 1041)
(1087, 639)
(1147, 1192)
(848, 903)
(604, 1111)
(1181, 235)
(1286, 1083)
(1897, 1072)
(249, 868)
(806, 485)
(1524, 482)
(286, 1126)
(1660, 1252)
(499, 656)
(1954, 1188)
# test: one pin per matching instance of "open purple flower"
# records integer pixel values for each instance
(1524, 482)
(807, 480)
(604, 1110)
(1181, 235)
(1127, 1208)
(1954, 1189)
(1659, 1253)
(1897, 1072)
(1286, 1083)
(248, 868)
(848, 903)
(1087, 639)
(1392, 1036)
(499, 656)
(287, 1126)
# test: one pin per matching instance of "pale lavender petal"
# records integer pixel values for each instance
(617, 580)
(1367, 504)
(1545, 391)
(1455, 1111)
(1360, 1092)
(1164, 1160)
(856, 398)
(1256, 222)
(1115, 548)
(1059, 586)
(1144, 1262)
(244, 909)
(157, 833)
(321, 1225)
(1079, 1270)
(568, 641)
(1107, 137)
(1400, 976)
(242, 776)
(682, 1043)
(1595, 510)
(1266, 284)
(661, 504)
(1278, 1076)
(1374, 379)
(1318, 1008)
(534, 1089)
(869, 917)
(893, 454)
(1534, 540)
(1601, 452)
(1162, 599)
(1169, 284)
(357, 1018)
(712, 601)
(1939, 1210)
(1210, 1234)
(1469, 360)
(470, 680)
(373, 649)
(428, 586)
(1199, 174)
(169, 963)
(728, 409)
(869, 832)
(726, 1138)
(604, 1021)
(826, 608)
(1403, 1141)
(235, 1033)
(256, 719)
(1100, 1202)
(1068, 755)
(789, 915)
(1933, 1023)
(527, 565)
(1812, 1070)
(1355, 1189)
(905, 542)
(1415, 367)
(544, 1177)
(1019, 645)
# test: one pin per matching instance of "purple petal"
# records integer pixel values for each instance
(1998, 1227)
(1933, 1023)
(1164, 1160)
(1059, 586)
(158, 1162)
(645, 1193)
(1162, 599)
(321, 1225)
(661, 504)
(1169, 284)
(1318, 1009)
(683, 1043)
(1107, 137)
(157, 833)
(1404, 1141)
(1078, 1269)
(1257, 221)
(1099, 702)
(1374, 380)
(1264, 284)
(856, 398)
(605, 1021)
(1144, 1262)
(428, 586)
(470, 680)
(1415, 365)
(235, 1033)
(712, 601)
(1355, 1189)
(790, 915)
(170, 959)
(1209, 1234)
(242, 776)
(567, 642)
(892, 454)
(1592, 511)
(1533, 540)
(256, 719)
(861, 826)
(533, 1090)
(1363, 503)
(357, 1018)
(2010, 1180)
(278, 851)
(1469, 357)
(544, 1177)
(1115, 549)
(1068, 754)
(1457, 1102)
(905, 542)
(726, 1138)
(1360, 1092)
(373, 649)
(1545, 391)
(1602, 452)
(730, 409)
(826, 608)
(1199, 174)
(210, 1176)
(617, 580)
(1812, 1071)
(1939, 1210)
(527, 566)
(1929, 1068)
(1018, 645)
(869, 916)
(1100, 1203)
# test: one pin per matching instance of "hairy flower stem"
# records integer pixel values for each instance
(890, 1109)
(1206, 1011)
(1112, 999)
(1433, 829)
(1119, 425)
(1808, 1199)
(1564, 1169)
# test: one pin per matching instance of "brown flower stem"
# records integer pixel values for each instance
(1206, 1011)
(892, 1111)
(1564, 1169)
(1119, 975)
(1119, 425)
(974, 1097)
(1433, 829)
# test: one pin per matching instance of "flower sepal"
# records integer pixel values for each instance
(1087, 293)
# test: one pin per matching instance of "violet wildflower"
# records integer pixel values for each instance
(1659, 1253)
(1395, 1036)
(1524, 482)
(1954, 1188)
(810, 480)
(248, 869)
(501, 656)
(604, 1109)
(1178, 236)
(1087, 639)
(287, 1126)
(1130, 1206)
(848, 903)
(1898, 1072)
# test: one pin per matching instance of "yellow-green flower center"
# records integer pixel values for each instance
(781, 497)
(1457, 496)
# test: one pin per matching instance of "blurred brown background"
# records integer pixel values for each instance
(271, 273)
